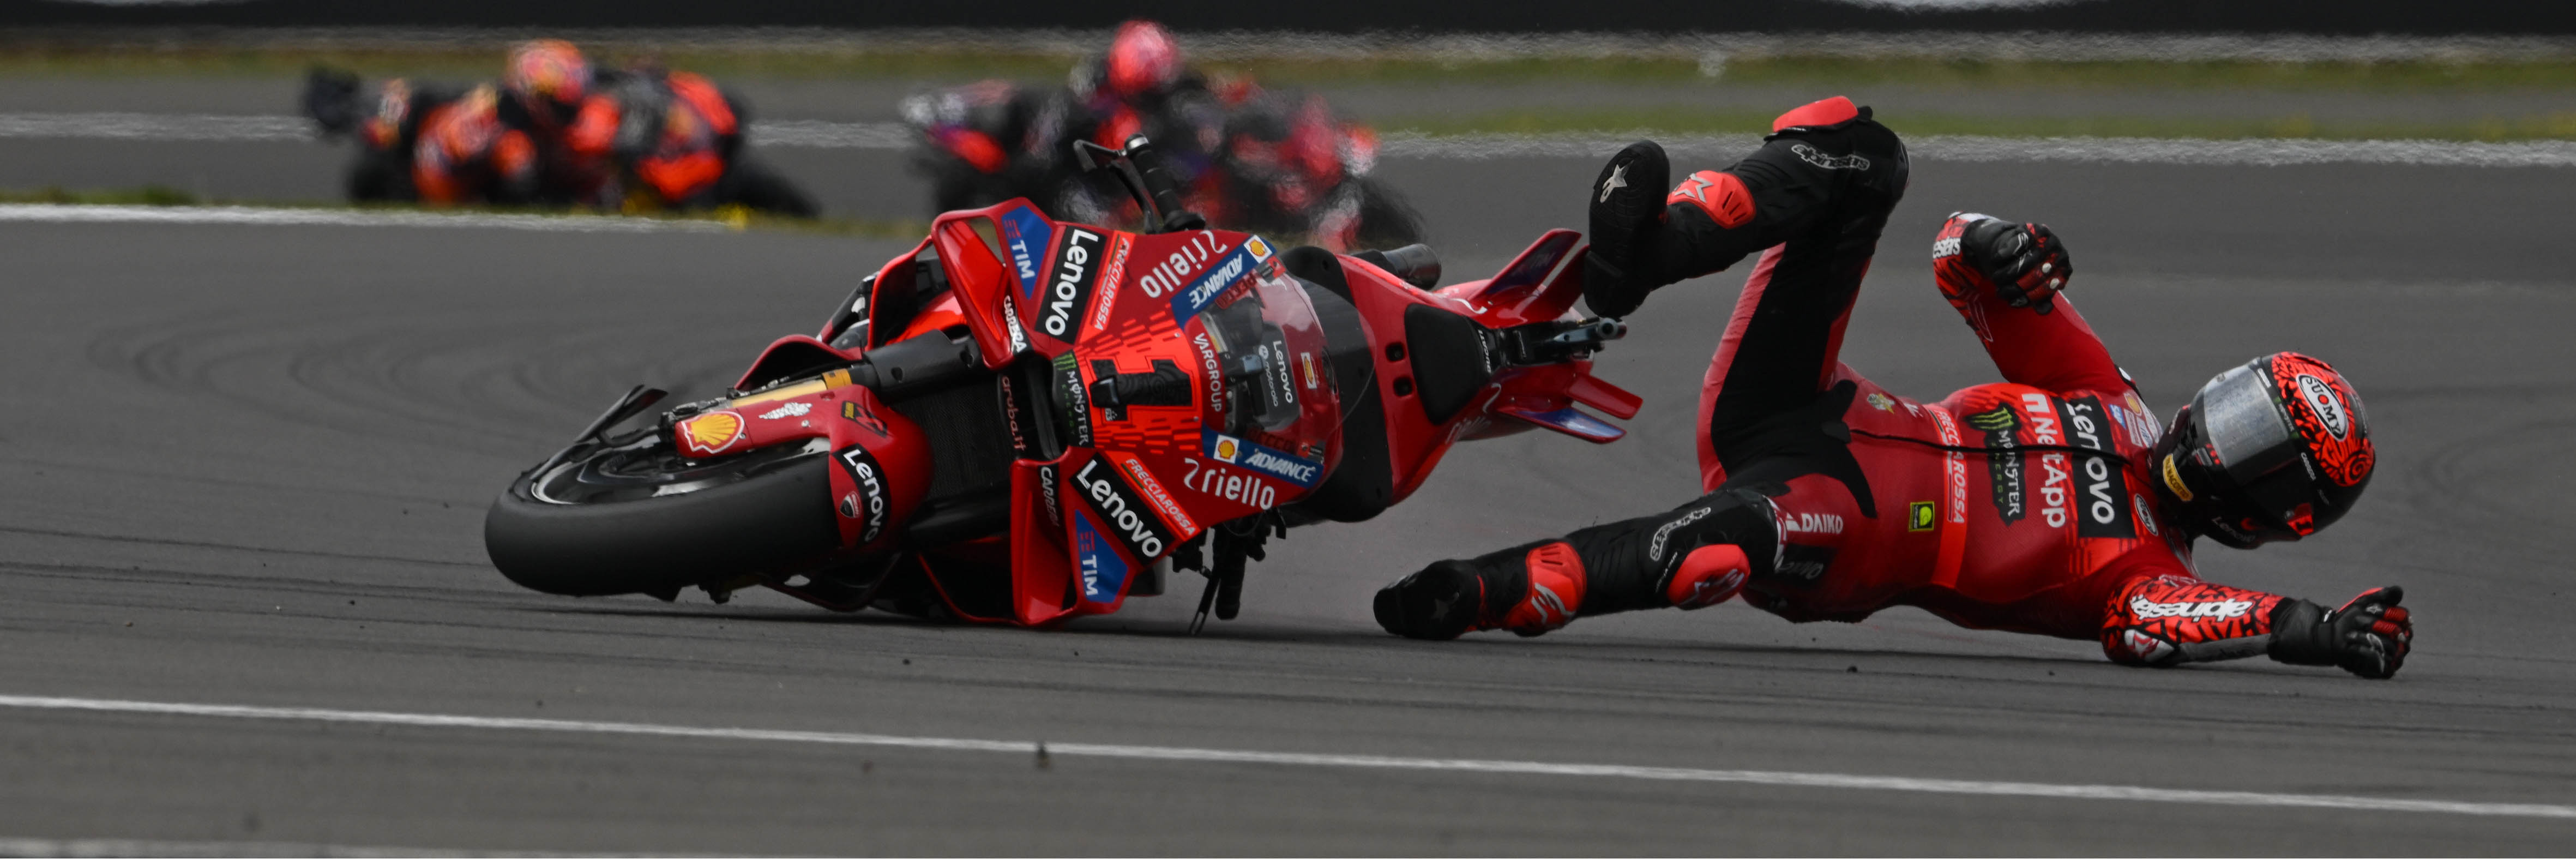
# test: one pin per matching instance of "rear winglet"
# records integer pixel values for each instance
(1568, 420)
(1605, 396)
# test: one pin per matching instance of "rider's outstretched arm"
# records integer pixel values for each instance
(2004, 278)
(2172, 618)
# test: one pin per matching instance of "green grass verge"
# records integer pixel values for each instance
(2551, 126)
(936, 63)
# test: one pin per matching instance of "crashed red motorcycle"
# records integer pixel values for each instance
(1024, 420)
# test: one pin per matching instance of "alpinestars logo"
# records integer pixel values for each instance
(1129, 520)
(872, 502)
(1809, 154)
(1655, 547)
(2146, 609)
(1618, 179)
(1069, 291)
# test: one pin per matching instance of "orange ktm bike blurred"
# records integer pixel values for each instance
(646, 140)
(1024, 420)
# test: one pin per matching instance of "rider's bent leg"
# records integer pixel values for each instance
(1693, 556)
(1827, 173)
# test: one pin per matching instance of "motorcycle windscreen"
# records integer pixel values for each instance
(1269, 414)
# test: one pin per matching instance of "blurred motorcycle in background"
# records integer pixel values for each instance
(1247, 158)
(640, 139)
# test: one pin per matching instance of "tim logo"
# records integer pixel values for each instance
(1028, 235)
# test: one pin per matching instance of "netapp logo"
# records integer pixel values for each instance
(1070, 290)
(1124, 509)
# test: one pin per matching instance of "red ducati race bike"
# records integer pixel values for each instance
(1024, 420)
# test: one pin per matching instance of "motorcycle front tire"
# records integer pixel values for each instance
(766, 523)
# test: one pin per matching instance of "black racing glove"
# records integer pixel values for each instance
(2025, 262)
(2368, 636)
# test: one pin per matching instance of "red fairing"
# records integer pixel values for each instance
(881, 467)
(1194, 384)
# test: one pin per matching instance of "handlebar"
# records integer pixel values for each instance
(1415, 263)
(1140, 168)
(1551, 342)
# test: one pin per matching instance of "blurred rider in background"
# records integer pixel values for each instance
(1143, 85)
(2051, 503)
(466, 154)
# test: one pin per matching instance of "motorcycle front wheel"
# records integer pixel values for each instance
(629, 515)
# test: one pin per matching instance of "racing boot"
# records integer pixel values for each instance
(1528, 589)
(1693, 556)
(1827, 171)
(1627, 218)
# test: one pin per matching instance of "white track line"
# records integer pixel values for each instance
(104, 847)
(1296, 759)
(155, 126)
(258, 216)
(889, 136)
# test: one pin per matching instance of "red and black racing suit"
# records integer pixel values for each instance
(2023, 505)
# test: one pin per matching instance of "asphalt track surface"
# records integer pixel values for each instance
(247, 465)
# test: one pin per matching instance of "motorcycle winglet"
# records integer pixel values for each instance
(1568, 420)
(1615, 400)
(1527, 271)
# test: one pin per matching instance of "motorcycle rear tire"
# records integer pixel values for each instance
(771, 522)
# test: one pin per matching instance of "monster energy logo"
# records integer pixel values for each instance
(2003, 462)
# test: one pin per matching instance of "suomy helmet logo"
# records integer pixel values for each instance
(2328, 407)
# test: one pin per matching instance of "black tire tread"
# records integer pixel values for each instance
(763, 524)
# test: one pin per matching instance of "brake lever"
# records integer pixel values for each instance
(1532, 345)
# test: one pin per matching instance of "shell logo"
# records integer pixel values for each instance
(1225, 449)
(710, 433)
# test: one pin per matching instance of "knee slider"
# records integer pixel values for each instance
(1556, 586)
(1720, 196)
(1709, 551)
(1708, 575)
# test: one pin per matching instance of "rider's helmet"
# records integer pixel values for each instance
(548, 78)
(2272, 450)
(1142, 60)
